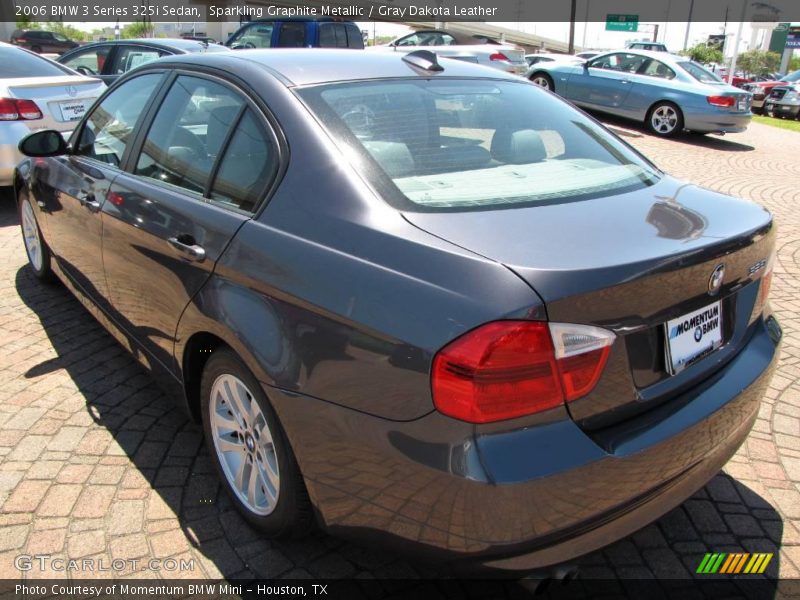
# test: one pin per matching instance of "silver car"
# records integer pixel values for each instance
(667, 93)
(477, 49)
(37, 93)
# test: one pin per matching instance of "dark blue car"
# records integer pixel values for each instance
(423, 304)
(297, 33)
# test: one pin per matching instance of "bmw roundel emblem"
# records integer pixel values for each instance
(715, 281)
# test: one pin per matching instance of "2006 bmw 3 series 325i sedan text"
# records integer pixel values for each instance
(422, 303)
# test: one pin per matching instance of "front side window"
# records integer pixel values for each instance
(91, 61)
(622, 61)
(109, 128)
(255, 35)
(474, 144)
(188, 132)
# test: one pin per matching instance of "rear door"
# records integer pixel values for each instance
(200, 170)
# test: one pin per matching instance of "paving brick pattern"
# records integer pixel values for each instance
(95, 462)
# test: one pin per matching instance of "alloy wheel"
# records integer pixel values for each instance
(664, 119)
(244, 444)
(541, 81)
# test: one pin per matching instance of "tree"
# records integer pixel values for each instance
(794, 64)
(758, 62)
(137, 30)
(704, 53)
(67, 30)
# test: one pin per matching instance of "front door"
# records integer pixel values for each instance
(83, 179)
(606, 81)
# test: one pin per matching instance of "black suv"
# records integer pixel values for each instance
(43, 41)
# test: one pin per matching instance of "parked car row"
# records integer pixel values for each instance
(776, 98)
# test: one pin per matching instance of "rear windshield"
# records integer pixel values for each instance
(475, 144)
(700, 73)
(15, 62)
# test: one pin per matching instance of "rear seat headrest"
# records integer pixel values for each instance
(395, 158)
(518, 147)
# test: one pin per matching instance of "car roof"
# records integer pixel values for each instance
(307, 66)
(167, 43)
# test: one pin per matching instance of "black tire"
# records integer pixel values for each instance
(42, 269)
(544, 80)
(665, 108)
(37, 49)
(292, 515)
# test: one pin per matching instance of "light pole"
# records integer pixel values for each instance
(688, 24)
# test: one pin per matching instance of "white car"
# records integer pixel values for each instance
(476, 49)
(37, 93)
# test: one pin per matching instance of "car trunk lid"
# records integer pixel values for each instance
(629, 263)
(62, 100)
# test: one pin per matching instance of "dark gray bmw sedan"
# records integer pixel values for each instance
(419, 302)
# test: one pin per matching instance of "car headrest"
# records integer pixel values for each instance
(518, 147)
(395, 158)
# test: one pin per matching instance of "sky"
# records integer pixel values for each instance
(589, 35)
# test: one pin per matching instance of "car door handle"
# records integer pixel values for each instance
(88, 201)
(190, 250)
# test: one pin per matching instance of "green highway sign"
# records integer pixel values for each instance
(622, 22)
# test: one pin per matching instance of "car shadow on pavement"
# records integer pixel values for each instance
(631, 129)
(171, 494)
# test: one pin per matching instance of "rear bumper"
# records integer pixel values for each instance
(717, 121)
(785, 109)
(11, 133)
(519, 495)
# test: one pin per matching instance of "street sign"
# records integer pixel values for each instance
(622, 22)
(793, 38)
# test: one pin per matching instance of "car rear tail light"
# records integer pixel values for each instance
(507, 369)
(13, 109)
(498, 56)
(724, 101)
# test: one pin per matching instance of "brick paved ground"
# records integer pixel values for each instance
(96, 462)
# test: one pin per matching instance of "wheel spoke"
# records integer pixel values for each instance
(226, 445)
(241, 473)
(224, 422)
(252, 486)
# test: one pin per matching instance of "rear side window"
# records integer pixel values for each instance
(109, 128)
(130, 57)
(15, 62)
(292, 35)
(354, 38)
(188, 132)
(474, 144)
(699, 73)
(248, 166)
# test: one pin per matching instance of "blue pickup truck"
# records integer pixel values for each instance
(297, 33)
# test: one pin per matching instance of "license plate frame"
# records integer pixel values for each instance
(692, 336)
(73, 110)
(742, 105)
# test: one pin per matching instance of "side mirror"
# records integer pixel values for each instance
(585, 64)
(43, 143)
